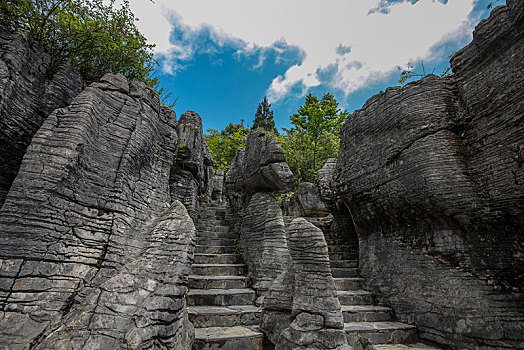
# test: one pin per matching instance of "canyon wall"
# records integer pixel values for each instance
(432, 174)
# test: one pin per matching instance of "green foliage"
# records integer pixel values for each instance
(280, 197)
(314, 137)
(394, 154)
(96, 38)
(491, 4)
(224, 144)
(264, 117)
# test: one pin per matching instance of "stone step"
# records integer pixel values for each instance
(228, 242)
(224, 316)
(218, 269)
(229, 338)
(348, 283)
(416, 346)
(220, 297)
(214, 234)
(380, 332)
(343, 263)
(217, 259)
(341, 272)
(366, 313)
(342, 256)
(204, 226)
(204, 249)
(354, 297)
(341, 248)
(218, 282)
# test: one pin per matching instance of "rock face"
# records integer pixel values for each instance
(256, 171)
(306, 202)
(263, 241)
(301, 309)
(438, 204)
(192, 174)
(29, 92)
(89, 235)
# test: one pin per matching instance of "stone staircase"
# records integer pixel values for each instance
(220, 302)
(361, 317)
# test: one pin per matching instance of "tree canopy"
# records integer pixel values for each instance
(314, 136)
(96, 38)
(224, 145)
(264, 117)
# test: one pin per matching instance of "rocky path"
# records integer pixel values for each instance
(361, 317)
(220, 302)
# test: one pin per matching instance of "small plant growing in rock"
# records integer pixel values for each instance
(394, 154)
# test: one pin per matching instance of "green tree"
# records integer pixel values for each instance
(314, 137)
(224, 145)
(264, 117)
(96, 38)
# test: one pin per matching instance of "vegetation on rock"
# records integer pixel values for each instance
(95, 37)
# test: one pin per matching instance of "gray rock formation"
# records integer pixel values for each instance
(432, 175)
(192, 173)
(306, 202)
(260, 167)
(86, 214)
(263, 241)
(143, 305)
(301, 309)
(29, 92)
(218, 185)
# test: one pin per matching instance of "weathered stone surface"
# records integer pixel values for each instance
(263, 241)
(260, 167)
(192, 173)
(89, 202)
(432, 175)
(341, 229)
(143, 305)
(29, 92)
(301, 309)
(306, 202)
(218, 185)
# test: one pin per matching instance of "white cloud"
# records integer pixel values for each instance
(379, 41)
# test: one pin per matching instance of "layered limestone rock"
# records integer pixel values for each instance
(92, 249)
(306, 202)
(29, 92)
(256, 171)
(432, 175)
(192, 174)
(263, 241)
(301, 309)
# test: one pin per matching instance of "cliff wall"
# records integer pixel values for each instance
(432, 174)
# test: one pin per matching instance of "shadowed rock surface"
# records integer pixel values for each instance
(29, 92)
(306, 202)
(432, 175)
(91, 197)
(192, 173)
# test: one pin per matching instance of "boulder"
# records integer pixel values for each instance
(306, 202)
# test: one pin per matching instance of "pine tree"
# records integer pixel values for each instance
(264, 117)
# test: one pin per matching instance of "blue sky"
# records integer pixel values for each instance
(221, 57)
